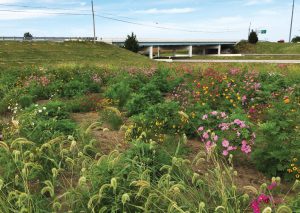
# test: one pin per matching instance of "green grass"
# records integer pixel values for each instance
(72, 53)
(268, 48)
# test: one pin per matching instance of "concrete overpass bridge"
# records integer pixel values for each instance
(202, 47)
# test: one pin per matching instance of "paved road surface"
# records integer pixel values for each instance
(234, 61)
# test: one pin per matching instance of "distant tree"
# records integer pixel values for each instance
(253, 38)
(132, 43)
(296, 39)
(27, 36)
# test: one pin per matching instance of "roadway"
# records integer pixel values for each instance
(231, 61)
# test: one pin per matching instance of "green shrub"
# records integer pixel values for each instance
(73, 89)
(277, 140)
(119, 92)
(25, 101)
(112, 117)
(253, 38)
(136, 104)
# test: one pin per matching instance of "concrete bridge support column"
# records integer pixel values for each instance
(190, 51)
(203, 51)
(219, 49)
(151, 52)
(158, 51)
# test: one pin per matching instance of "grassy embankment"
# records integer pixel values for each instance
(67, 53)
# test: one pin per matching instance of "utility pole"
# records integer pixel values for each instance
(249, 29)
(292, 19)
(94, 26)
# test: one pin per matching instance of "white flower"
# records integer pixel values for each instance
(44, 108)
(40, 111)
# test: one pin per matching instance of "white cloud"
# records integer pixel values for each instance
(25, 14)
(257, 2)
(167, 11)
(8, 1)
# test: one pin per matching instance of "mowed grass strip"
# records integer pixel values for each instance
(268, 48)
(81, 53)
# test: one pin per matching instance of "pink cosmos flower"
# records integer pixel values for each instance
(216, 138)
(244, 99)
(245, 147)
(272, 185)
(225, 143)
(238, 134)
(225, 153)
(231, 148)
(204, 117)
(209, 145)
(201, 128)
(205, 135)
(214, 113)
(223, 114)
(255, 204)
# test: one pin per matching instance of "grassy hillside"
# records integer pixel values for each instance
(268, 48)
(79, 53)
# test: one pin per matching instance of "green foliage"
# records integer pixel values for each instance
(112, 117)
(146, 96)
(277, 141)
(296, 39)
(253, 38)
(73, 88)
(28, 36)
(119, 92)
(131, 43)
(26, 100)
(43, 123)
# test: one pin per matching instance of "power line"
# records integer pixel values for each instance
(116, 19)
(39, 7)
(64, 9)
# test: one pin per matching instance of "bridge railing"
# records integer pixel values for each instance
(13, 38)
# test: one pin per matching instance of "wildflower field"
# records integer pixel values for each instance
(155, 138)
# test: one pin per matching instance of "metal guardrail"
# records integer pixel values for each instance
(11, 38)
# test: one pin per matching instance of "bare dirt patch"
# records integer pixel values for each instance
(247, 175)
(107, 140)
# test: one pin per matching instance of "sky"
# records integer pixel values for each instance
(160, 19)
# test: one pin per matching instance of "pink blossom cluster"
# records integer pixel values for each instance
(232, 130)
(96, 78)
(255, 204)
(43, 80)
(240, 123)
(234, 71)
(245, 147)
(227, 147)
